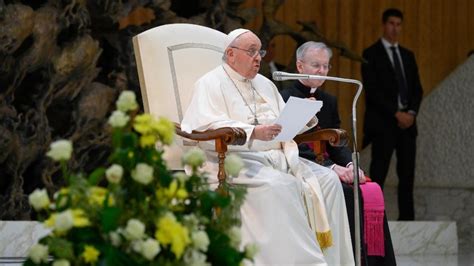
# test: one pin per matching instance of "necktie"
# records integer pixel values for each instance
(402, 84)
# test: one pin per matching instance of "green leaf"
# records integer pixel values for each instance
(96, 176)
(207, 202)
(109, 218)
(29, 262)
(222, 200)
(220, 252)
(117, 137)
(114, 257)
(61, 248)
(85, 235)
(130, 140)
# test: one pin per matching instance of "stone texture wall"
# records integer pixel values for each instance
(444, 182)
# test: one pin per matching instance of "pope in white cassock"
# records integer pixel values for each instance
(294, 209)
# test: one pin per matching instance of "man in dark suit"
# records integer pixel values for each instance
(393, 95)
(313, 58)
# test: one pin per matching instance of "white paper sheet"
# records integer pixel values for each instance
(295, 115)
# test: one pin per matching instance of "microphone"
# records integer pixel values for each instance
(280, 76)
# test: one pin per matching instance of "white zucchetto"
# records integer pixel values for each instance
(233, 35)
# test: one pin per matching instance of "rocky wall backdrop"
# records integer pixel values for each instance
(64, 62)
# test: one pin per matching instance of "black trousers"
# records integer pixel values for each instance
(389, 258)
(403, 142)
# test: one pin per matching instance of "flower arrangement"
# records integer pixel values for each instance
(135, 211)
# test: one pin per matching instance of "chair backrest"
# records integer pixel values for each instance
(170, 59)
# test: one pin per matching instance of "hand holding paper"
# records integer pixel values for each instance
(295, 115)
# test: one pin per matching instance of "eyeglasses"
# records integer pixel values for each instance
(318, 65)
(252, 52)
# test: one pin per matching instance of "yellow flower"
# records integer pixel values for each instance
(142, 123)
(171, 189)
(147, 140)
(50, 221)
(79, 218)
(182, 193)
(165, 129)
(151, 129)
(90, 254)
(63, 221)
(175, 190)
(97, 196)
(171, 232)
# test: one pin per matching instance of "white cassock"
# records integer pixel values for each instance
(275, 213)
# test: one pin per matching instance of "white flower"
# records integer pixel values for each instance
(61, 262)
(38, 253)
(191, 221)
(114, 173)
(60, 150)
(143, 173)
(115, 239)
(150, 248)
(235, 236)
(64, 221)
(200, 240)
(195, 258)
(134, 230)
(194, 157)
(127, 101)
(118, 119)
(137, 245)
(251, 250)
(233, 164)
(39, 199)
(181, 176)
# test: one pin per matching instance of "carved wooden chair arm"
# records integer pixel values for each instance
(229, 135)
(222, 137)
(319, 138)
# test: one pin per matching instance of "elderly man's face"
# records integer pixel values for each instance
(244, 57)
(314, 62)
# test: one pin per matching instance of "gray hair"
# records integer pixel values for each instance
(303, 49)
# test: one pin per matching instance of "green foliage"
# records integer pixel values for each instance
(135, 211)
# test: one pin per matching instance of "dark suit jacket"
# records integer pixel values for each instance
(328, 118)
(381, 89)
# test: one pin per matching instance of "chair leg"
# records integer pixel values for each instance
(221, 148)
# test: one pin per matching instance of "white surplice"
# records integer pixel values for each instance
(273, 214)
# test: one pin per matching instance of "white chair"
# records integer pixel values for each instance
(170, 59)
